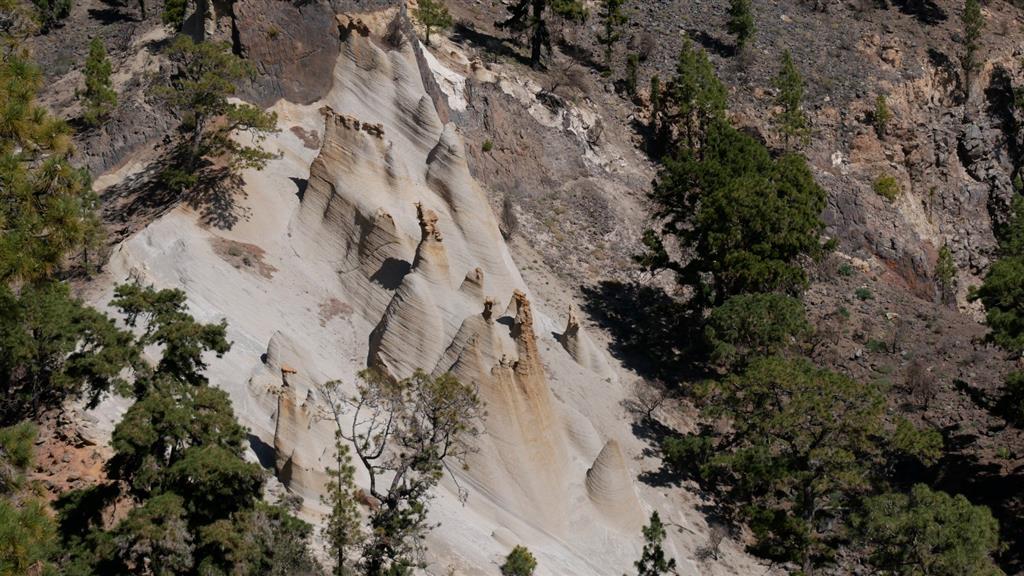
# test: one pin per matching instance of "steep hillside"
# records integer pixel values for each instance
(450, 209)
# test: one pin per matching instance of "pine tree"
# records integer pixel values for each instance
(612, 18)
(99, 98)
(791, 120)
(52, 12)
(973, 23)
(343, 530)
(881, 116)
(532, 16)
(657, 110)
(207, 73)
(945, 274)
(405, 434)
(929, 532)
(179, 457)
(798, 452)
(694, 99)
(433, 14)
(653, 561)
(741, 22)
(746, 219)
(632, 71)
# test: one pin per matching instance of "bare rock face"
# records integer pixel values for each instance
(293, 45)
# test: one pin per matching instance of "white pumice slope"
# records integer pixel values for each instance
(376, 246)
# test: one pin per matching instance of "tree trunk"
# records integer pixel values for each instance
(537, 40)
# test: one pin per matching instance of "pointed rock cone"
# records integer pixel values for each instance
(431, 260)
(292, 424)
(570, 337)
(610, 488)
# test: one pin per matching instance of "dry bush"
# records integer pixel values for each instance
(566, 78)
(509, 223)
(645, 45)
(647, 397)
(920, 384)
(717, 531)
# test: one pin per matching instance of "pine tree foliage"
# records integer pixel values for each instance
(973, 23)
(929, 532)
(612, 19)
(48, 207)
(744, 219)
(945, 274)
(206, 77)
(53, 349)
(791, 119)
(98, 98)
(179, 457)
(433, 15)
(741, 22)
(343, 530)
(801, 444)
(653, 561)
(693, 100)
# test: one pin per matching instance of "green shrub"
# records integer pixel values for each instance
(519, 562)
(887, 187)
(845, 269)
(487, 145)
(863, 294)
(1011, 403)
(51, 12)
(876, 346)
(881, 115)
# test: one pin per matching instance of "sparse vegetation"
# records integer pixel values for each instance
(863, 294)
(887, 187)
(487, 146)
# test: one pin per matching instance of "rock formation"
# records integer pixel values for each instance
(610, 487)
(581, 348)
